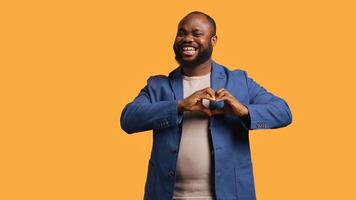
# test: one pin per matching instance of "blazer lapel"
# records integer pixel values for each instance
(218, 80)
(218, 77)
(176, 80)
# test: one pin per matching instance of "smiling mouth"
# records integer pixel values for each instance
(188, 50)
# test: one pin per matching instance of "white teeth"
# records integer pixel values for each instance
(188, 48)
(189, 53)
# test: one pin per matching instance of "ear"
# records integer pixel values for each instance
(214, 40)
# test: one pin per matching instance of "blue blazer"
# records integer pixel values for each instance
(155, 108)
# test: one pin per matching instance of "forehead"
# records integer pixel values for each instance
(195, 22)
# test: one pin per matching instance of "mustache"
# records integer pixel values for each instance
(180, 45)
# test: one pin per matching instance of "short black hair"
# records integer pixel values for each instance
(210, 19)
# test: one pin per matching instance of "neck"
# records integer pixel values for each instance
(199, 70)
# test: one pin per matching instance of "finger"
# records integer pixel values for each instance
(223, 94)
(206, 96)
(224, 98)
(209, 91)
(221, 89)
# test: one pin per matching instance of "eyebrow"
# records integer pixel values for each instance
(194, 30)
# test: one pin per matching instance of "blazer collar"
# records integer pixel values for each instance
(217, 79)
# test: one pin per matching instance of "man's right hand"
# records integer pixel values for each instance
(195, 101)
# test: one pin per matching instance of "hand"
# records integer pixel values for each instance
(231, 104)
(195, 101)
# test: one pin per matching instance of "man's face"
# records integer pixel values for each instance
(194, 41)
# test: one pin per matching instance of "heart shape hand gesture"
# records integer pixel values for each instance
(194, 102)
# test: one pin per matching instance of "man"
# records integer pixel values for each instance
(200, 116)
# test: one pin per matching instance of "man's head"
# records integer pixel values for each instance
(196, 36)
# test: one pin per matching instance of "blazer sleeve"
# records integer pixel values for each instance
(144, 114)
(265, 109)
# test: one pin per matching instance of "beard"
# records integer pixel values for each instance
(203, 55)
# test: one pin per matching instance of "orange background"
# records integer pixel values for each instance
(69, 67)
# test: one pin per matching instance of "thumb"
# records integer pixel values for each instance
(206, 110)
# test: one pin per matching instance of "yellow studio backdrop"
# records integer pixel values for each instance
(69, 67)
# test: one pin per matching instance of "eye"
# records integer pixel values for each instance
(180, 33)
(197, 34)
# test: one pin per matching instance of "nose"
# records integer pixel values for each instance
(188, 38)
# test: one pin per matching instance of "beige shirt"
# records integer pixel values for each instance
(193, 173)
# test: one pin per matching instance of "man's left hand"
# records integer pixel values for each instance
(231, 104)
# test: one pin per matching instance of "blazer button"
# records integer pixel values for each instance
(171, 173)
(175, 151)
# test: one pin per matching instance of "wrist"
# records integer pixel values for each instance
(244, 111)
(180, 106)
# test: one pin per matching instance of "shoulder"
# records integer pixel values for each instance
(157, 80)
(231, 72)
(238, 73)
(158, 77)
